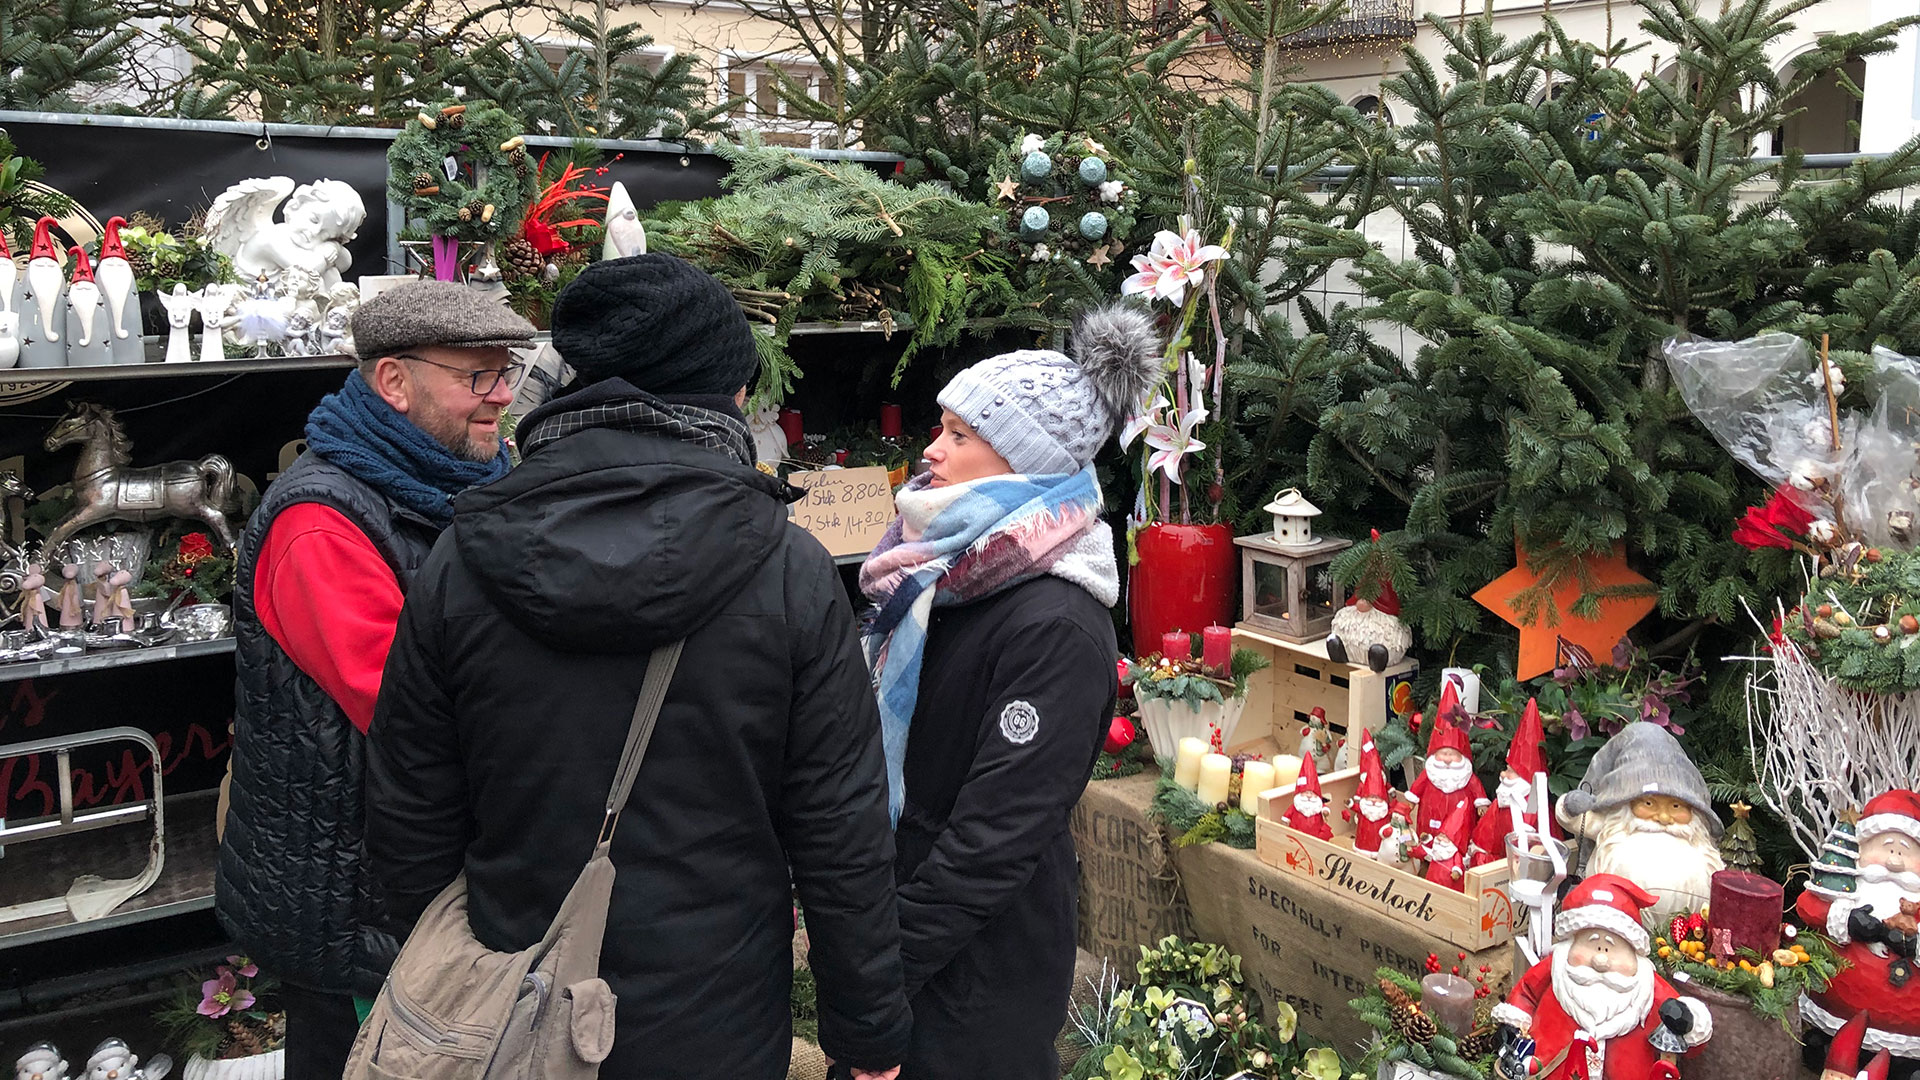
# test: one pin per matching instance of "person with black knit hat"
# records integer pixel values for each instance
(992, 651)
(637, 518)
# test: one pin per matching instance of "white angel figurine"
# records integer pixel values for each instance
(180, 305)
(260, 319)
(321, 219)
(213, 305)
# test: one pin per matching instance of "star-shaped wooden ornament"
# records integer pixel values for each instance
(1096, 147)
(1540, 639)
(1009, 189)
(1099, 258)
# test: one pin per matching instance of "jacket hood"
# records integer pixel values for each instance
(609, 541)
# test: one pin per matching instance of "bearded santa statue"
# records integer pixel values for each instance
(1309, 810)
(1526, 759)
(1844, 1053)
(1447, 780)
(1369, 809)
(1446, 852)
(1369, 630)
(1645, 808)
(1593, 1007)
(1881, 956)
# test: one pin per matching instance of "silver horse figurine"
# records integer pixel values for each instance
(106, 487)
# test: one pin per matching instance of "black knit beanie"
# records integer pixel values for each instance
(657, 321)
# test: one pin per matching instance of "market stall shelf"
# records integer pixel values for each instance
(96, 661)
(27, 377)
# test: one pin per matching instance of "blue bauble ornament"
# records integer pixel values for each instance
(1093, 223)
(1036, 166)
(1093, 171)
(1035, 221)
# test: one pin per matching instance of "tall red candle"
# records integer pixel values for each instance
(790, 423)
(1749, 906)
(1121, 667)
(1216, 647)
(1176, 645)
(889, 421)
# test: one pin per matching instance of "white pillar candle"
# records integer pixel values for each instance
(1186, 763)
(1466, 683)
(1286, 770)
(1216, 773)
(1255, 777)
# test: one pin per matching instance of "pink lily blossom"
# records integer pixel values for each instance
(1174, 262)
(1147, 417)
(1171, 444)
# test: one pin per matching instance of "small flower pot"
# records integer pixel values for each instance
(1167, 721)
(271, 1065)
(1183, 581)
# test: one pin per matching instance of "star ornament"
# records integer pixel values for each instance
(1540, 638)
(1009, 189)
(1099, 258)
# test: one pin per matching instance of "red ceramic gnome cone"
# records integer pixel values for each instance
(1370, 808)
(1843, 1053)
(116, 278)
(43, 277)
(1447, 781)
(83, 295)
(1526, 759)
(1308, 812)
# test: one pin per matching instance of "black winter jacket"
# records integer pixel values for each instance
(508, 696)
(291, 885)
(1016, 694)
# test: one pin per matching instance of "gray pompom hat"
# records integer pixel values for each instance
(1644, 759)
(1046, 413)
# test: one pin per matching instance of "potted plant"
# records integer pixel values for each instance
(221, 1027)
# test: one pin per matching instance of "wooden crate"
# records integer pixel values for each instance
(1356, 698)
(1481, 917)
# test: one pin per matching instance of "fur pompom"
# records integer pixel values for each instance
(1119, 347)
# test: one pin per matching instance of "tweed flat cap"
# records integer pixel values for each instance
(444, 313)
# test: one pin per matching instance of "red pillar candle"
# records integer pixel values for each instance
(889, 421)
(1749, 906)
(790, 423)
(1176, 645)
(1216, 647)
(1121, 667)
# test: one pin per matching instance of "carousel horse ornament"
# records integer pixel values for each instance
(106, 486)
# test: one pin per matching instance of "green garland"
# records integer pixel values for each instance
(1809, 976)
(1194, 822)
(493, 172)
(1440, 1054)
(1155, 676)
(1840, 623)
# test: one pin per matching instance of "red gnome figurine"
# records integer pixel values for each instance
(1371, 805)
(1525, 760)
(1844, 1053)
(1446, 852)
(1447, 781)
(1309, 810)
(1870, 920)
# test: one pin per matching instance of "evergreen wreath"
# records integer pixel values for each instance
(493, 180)
(1067, 196)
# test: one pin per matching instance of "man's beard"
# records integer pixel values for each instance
(452, 433)
(1677, 862)
(1514, 793)
(1309, 805)
(1373, 809)
(1449, 778)
(1605, 1006)
(1440, 849)
(1883, 889)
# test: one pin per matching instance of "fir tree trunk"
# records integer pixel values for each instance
(602, 73)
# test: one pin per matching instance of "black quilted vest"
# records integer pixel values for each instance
(291, 885)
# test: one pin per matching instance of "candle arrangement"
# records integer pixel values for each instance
(1182, 697)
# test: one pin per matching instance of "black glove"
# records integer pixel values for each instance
(1864, 928)
(1676, 1017)
(1899, 942)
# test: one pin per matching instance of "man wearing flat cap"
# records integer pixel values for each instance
(323, 568)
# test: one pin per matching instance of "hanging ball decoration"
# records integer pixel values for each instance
(1093, 223)
(1036, 166)
(1035, 221)
(1093, 171)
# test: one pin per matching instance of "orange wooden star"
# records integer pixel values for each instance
(1539, 639)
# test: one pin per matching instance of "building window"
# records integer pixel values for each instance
(763, 109)
(1372, 108)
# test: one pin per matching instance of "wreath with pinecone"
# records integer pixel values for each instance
(463, 169)
(1409, 1033)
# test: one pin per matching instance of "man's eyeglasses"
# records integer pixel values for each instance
(483, 381)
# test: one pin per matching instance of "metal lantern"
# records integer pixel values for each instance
(1288, 590)
(1292, 518)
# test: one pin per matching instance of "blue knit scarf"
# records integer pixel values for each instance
(357, 430)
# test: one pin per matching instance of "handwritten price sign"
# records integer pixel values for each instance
(848, 510)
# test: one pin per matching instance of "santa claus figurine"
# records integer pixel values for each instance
(1646, 810)
(1867, 923)
(1844, 1053)
(1446, 852)
(1526, 759)
(1370, 628)
(1594, 1007)
(1309, 810)
(1447, 781)
(1370, 807)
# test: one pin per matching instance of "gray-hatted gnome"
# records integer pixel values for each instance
(1646, 809)
(1369, 629)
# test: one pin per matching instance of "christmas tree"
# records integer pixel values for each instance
(52, 52)
(1839, 860)
(1738, 846)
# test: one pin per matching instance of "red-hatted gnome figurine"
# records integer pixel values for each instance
(1447, 781)
(1526, 759)
(1593, 1007)
(1369, 628)
(1845, 1052)
(1446, 851)
(1371, 807)
(1875, 940)
(1309, 810)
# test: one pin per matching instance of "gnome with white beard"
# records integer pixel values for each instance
(1593, 1006)
(1526, 759)
(1368, 629)
(1872, 925)
(1645, 808)
(1446, 781)
(1370, 805)
(1309, 810)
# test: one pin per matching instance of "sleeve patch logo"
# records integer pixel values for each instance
(1019, 722)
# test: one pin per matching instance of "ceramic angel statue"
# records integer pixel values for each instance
(261, 319)
(179, 305)
(321, 219)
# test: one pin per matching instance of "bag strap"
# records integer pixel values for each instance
(646, 712)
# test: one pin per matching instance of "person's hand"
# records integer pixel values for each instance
(889, 1074)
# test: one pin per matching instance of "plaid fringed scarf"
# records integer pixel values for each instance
(957, 544)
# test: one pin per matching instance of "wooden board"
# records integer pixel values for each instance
(847, 510)
(1480, 917)
(1356, 698)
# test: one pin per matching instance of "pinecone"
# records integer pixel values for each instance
(142, 266)
(1395, 996)
(466, 214)
(457, 121)
(247, 1040)
(1477, 1045)
(474, 209)
(422, 180)
(519, 259)
(517, 156)
(1414, 1025)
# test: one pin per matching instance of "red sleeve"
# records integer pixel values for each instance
(1536, 984)
(326, 596)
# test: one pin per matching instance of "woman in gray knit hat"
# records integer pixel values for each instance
(992, 652)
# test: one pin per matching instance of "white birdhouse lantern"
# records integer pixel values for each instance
(1292, 518)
